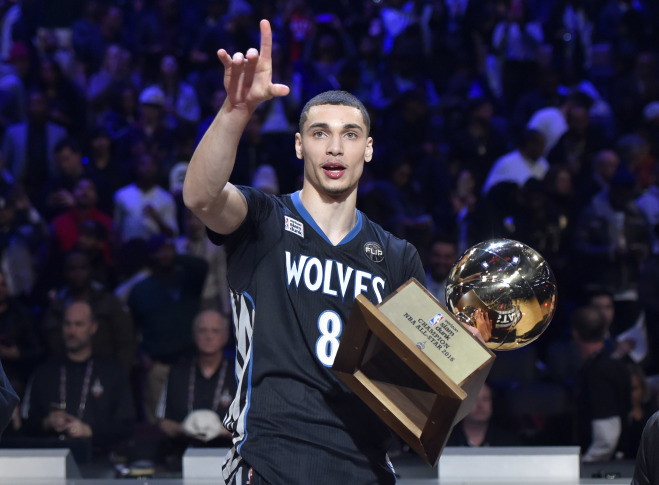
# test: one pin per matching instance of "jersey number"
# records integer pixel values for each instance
(330, 326)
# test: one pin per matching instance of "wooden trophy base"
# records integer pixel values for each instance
(414, 364)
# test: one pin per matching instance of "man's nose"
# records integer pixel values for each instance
(335, 145)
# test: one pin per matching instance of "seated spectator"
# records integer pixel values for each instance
(181, 103)
(67, 226)
(479, 429)
(194, 242)
(19, 343)
(19, 241)
(82, 396)
(164, 305)
(205, 382)
(28, 148)
(552, 120)
(578, 145)
(612, 239)
(105, 168)
(442, 256)
(143, 208)
(520, 165)
(604, 166)
(58, 196)
(114, 334)
(94, 241)
(603, 391)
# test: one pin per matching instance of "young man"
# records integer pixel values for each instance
(296, 264)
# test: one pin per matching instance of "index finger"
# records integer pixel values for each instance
(266, 40)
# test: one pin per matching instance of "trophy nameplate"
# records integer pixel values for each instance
(414, 364)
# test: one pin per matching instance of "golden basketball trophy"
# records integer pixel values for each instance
(415, 363)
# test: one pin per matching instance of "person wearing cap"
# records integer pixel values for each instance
(150, 132)
(200, 389)
(164, 305)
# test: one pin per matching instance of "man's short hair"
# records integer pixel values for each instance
(70, 143)
(199, 316)
(336, 98)
(588, 324)
(92, 314)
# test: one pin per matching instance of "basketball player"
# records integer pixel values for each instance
(295, 265)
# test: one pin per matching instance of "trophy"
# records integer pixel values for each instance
(511, 284)
(415, 363)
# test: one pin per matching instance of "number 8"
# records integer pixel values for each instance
(330, 326)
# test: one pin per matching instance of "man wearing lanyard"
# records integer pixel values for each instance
(199, 390)
(79, 396)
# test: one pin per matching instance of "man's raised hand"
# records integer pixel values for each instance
(248, 77)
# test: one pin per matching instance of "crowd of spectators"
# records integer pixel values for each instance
(535, 120)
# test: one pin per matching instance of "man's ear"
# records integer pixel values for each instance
(298, 146)
(368, 152)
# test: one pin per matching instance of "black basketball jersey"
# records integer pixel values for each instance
(293, 419)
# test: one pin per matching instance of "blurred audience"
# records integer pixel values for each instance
(164, 305)
(101, 102)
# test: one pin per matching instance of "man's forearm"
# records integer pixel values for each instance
(213, 160)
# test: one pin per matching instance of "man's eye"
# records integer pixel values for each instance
(318, 134)
(351, 134)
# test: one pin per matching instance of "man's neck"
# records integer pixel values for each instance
(82, 293)
(208, 363)
(335, 216)
(80, 355)
(588, 349)
(145, 185)
(475, 431)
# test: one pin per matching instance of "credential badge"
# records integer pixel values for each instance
(294, 226)
(374, 251)
(97, 388)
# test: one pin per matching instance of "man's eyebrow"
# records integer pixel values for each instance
(325, 126)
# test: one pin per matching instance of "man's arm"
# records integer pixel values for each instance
(206, 189)
(606, 433)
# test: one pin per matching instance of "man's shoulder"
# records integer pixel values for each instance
(126, 191)
(544, 115)
(390, 241)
